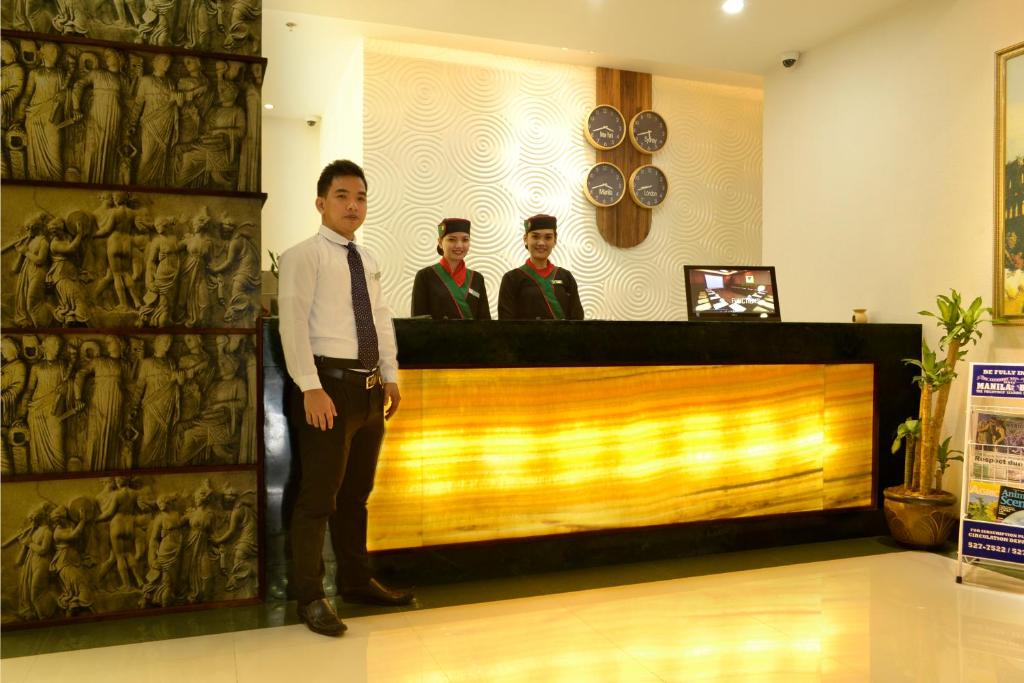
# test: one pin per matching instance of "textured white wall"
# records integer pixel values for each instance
(495, 139)
(878, 170)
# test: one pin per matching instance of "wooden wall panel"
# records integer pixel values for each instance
(625, 224)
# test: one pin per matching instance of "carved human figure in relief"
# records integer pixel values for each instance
(35, 598)
(194, 375)
(31, 265)
(71, 18)
(165, 542)
(34, 554)
(197, 288)
(247, 444)
(240, 35)
(119, 504)
(156, 391)
(200, 21)
(12, 82)
(243, 531)
(249, 161)
(47, 381)
(212, 160)
(212, 438)
(244, 257)
(116, 220)
(102, 120)
(196, 92)
(155, 29)
(104, 411)
(155, 113)
(72, 304)
(199, 558)
(76, 585)
(13, 377)
(162, 265)
(41, 108)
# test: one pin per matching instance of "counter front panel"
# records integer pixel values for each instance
(499, 453)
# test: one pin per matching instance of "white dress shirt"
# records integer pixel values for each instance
(315, 306)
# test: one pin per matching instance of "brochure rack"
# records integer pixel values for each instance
(992, 500)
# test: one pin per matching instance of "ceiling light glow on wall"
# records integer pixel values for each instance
(732, 6)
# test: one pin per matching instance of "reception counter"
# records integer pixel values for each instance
(522, 446)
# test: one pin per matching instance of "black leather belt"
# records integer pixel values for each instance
(332, 367)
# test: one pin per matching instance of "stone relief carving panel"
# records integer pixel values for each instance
(91, 114)
(84, 258)
(78, 547)
(232, 26)
(95, 403)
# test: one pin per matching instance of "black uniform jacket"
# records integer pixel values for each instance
(520, 298)
(431, 297)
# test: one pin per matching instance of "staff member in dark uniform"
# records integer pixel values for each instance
(539, 288)
(448, 289)
(339, 346)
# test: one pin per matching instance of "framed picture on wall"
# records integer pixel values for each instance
(1009, 195)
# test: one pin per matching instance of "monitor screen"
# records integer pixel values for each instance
(731, 293)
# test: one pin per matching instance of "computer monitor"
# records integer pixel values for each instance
(731, 293)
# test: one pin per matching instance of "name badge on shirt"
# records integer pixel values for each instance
(556, 282)
(473, 292)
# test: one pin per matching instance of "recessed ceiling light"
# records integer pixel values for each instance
(268, 105)
(732, 6)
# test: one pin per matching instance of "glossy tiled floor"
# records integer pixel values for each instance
(889, 616)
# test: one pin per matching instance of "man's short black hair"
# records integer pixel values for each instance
(338, 169)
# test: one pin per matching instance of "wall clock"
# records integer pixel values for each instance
(648, 186)
(648, 131)
(605, 185)
(605, 127)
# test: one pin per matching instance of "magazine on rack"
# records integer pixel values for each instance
(1000, 432)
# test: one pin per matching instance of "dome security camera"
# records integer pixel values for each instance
(789, 59)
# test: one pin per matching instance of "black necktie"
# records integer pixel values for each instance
(366, 333)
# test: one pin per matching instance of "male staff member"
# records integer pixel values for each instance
(339, 346)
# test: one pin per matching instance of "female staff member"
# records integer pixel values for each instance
(448, 289)
(539, 288)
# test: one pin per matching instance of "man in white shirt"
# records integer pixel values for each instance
(339, 346)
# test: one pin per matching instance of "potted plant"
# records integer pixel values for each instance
(919, 512)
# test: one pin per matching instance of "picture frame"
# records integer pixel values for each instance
(1008, 271)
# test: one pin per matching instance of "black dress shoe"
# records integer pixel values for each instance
(321, 618)
(376, 593)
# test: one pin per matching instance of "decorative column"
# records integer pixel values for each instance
(131, 440)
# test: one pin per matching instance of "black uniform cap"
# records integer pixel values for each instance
(448, 226)
(541, 222)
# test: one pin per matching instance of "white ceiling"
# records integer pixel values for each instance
(683, 38)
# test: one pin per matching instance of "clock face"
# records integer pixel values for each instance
(605, 184)
(648, 186)
(605, 127)
(648, 131)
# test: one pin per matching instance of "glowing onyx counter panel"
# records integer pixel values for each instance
(483, 454)
(598, 441)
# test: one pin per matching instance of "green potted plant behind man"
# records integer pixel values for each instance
(919, 512)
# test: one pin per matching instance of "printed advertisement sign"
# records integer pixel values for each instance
(992, 513)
